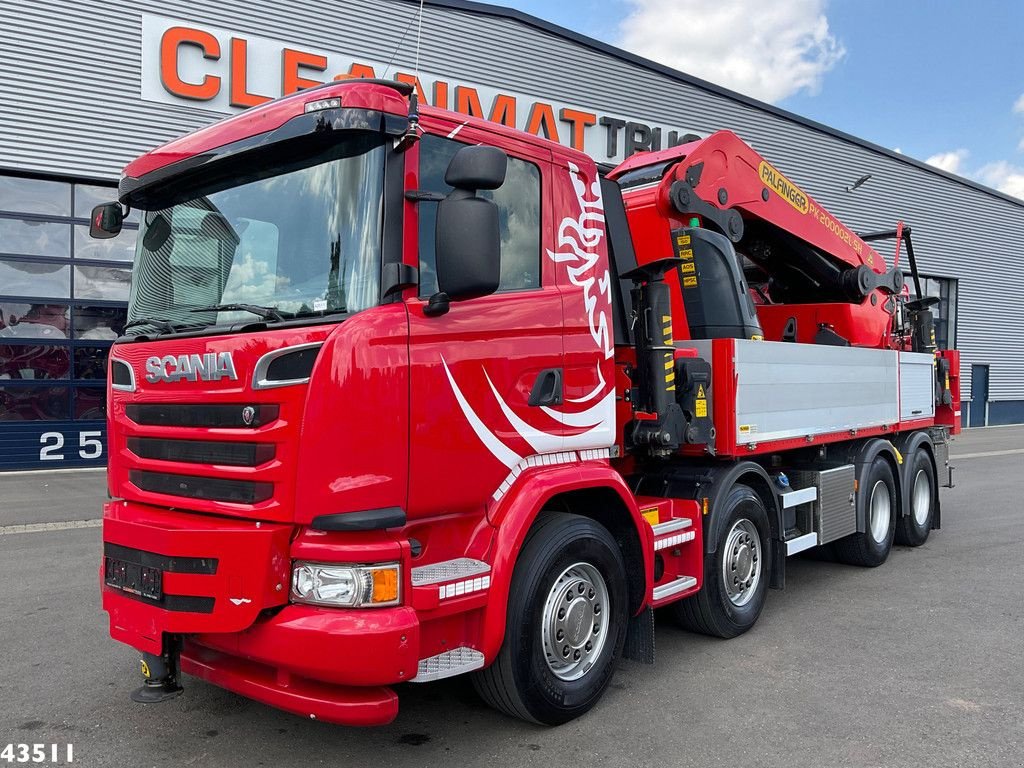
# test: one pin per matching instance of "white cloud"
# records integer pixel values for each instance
(1003, 176)
(1018, 105)
(949, 161)
(768, 50)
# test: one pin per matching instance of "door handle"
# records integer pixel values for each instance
(547, 389)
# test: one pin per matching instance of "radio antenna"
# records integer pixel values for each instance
(412, 134)
(419, 34)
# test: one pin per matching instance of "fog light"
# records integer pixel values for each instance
(347, 586)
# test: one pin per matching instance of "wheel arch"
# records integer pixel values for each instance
(594, 491)
(713, 482)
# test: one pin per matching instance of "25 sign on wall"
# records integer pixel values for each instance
(90, 445)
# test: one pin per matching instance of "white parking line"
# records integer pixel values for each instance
(43, 527)
(983, 454)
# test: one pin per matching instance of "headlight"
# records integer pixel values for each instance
(348, 586)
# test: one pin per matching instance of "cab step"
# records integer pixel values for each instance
(448, 664)
(674, 587)
(800, 543)
(673, 532)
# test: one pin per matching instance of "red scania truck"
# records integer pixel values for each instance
(406, 395)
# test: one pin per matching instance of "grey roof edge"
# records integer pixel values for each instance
(487, 9)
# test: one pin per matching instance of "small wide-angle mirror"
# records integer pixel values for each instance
(106, 221)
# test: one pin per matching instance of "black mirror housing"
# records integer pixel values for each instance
(477, 167)
(106, 221)
(468, 246)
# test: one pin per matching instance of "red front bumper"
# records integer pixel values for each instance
(240, 632)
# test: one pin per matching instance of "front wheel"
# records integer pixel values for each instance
(736, 575)
(566, 623)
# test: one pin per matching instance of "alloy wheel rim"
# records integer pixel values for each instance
(574, 625)
(921, 501)
(881, 511)
(741, 562)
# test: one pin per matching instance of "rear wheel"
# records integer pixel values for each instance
(913, 528)
(736, 576)
(566, 623)
(877, 494)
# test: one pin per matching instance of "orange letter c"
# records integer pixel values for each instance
(172, 40)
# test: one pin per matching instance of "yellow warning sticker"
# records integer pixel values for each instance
(145, 669)
(688, 266)
(683, 240)
(650, 515)
(744, 428)
(686, 254)
(689, 281)
(700, 392)
(701, 411)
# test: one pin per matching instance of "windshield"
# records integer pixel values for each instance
(301, 238)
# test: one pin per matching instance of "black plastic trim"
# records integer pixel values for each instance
(166, 563)
(232, 454)
(198, 487)
(200, 414)
(367, 520)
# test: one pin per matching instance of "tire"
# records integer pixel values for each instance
(533, 678)
(721, 609)
(913, 528)
(878, 496)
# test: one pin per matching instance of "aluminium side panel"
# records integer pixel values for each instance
(794, 390)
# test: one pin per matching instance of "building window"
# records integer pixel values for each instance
(944, 289)
(54, 348)
(518, 201)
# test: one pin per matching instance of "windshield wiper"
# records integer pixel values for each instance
(267, 313)
(163, 325)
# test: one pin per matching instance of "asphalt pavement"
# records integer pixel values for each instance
(917, 663)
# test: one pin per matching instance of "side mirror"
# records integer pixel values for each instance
(468, 237)
(478, 167)
(106, 221)
(468, 247)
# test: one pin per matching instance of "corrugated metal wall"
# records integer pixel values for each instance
(69, 105)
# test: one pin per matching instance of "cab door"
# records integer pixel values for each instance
(474, 368)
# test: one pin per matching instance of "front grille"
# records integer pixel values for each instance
(201, 415)
(210, 488)
(202, 451)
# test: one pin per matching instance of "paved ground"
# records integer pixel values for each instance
(917, 663)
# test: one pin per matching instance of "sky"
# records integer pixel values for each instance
(939, 80)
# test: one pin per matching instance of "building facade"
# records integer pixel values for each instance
(87, 86)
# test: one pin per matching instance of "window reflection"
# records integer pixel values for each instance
(33, 321)
(33, 403)
(107, 283)
(50, 198)
(35, 278)
(91, 362)
(90, 403)
(98, 323)
(32, 362)
(35, 238)
(120, 248)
